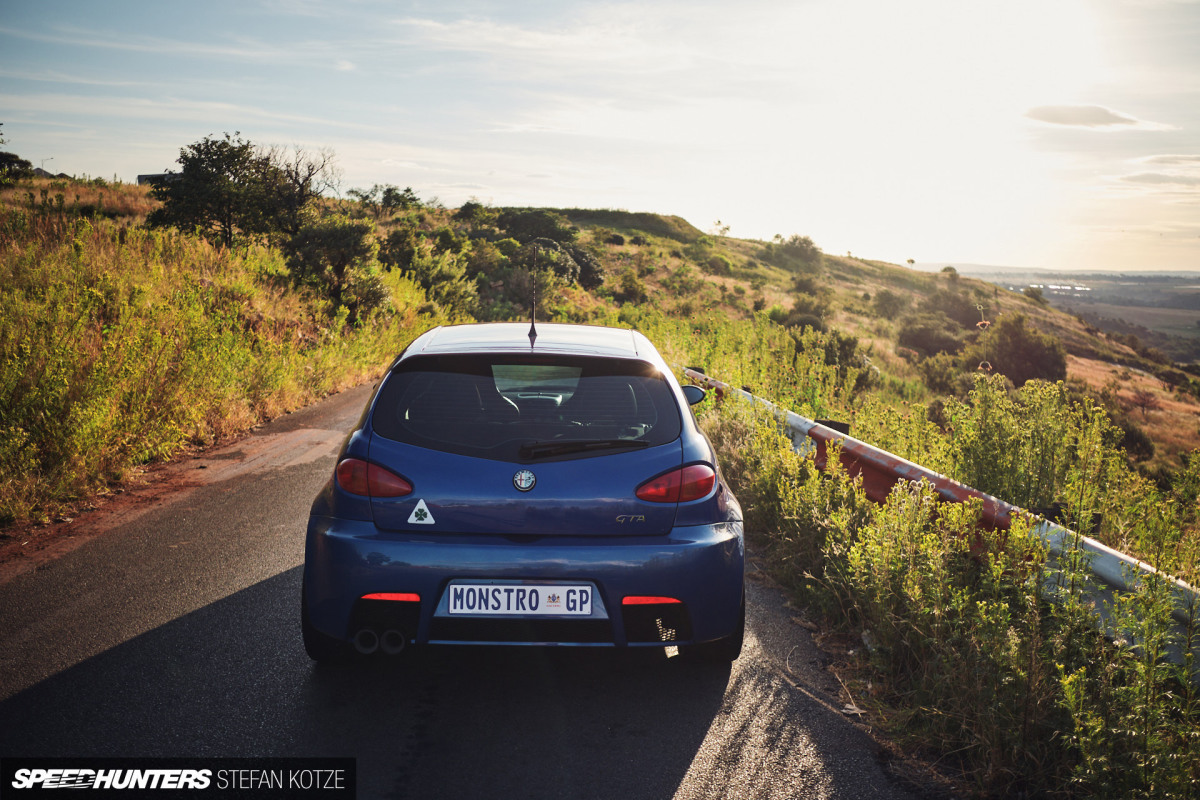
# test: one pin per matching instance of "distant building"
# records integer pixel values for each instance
(157, 178)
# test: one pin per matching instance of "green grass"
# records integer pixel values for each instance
(122, 346)
(968, 658)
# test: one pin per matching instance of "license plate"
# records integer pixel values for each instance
(524, 601)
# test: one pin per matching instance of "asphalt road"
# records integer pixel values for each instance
(173, 630)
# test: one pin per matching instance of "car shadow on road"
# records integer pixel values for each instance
(232, 679)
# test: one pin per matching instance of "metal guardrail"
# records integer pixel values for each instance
(1115, 572)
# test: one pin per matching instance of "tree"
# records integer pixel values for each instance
(797, 253)
(382, 200)
(299, 177)
(13, 168)
(476, 214)
(1145, 400)
(1035, 294)
(221, 189)
(591, 272)
(228, 187)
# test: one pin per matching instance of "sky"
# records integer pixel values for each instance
(1055, 134)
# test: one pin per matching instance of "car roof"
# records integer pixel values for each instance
(556, 338)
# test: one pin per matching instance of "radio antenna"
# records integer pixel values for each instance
(533, 317)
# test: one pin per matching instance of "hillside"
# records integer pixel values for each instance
(874, 302)
(923, 333)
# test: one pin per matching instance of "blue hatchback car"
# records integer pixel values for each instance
(516, 486)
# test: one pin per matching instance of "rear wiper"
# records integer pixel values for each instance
(560, 448)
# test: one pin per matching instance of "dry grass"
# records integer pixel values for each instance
(1174, 426)
(126, 201)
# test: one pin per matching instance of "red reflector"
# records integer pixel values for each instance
(648, 601)
(370, 480)
(395, 597)
(679, 486)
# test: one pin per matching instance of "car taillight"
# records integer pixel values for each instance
(394, 597)
(679, 486)
(640, 600)
(370, 480)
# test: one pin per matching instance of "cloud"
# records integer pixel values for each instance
(51, 76)
(392, 162)
(617, 45)
(1170, 173)
(242, 50)
(343, 65)
(98, 107)
(1096, 117)
(1162, 179)
(1172, 160)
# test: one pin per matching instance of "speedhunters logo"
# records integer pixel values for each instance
(306, 778)
(67, 778)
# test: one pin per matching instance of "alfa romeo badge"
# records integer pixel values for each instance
(524, 480)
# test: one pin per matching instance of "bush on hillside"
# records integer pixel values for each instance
(718, 264)
(929, 334)
(446, 283)
(1018, 351)
(591, 271)
(796, 253)
(888, 305)
(526, 225)
(338, 257)
(547, 255)
(953, 304)
(940, 373)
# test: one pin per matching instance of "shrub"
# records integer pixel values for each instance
(334, 252)
(445, 281)
(547, 255)
(940, 373)
(399, 248)
(1019, 352)
(929, 334)
(953, 304)
(718, 265)
(525, 225)
(888, 305)
(632, 288)
(805, 308)
(591, 272)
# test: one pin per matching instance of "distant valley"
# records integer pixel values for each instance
(1162, 309)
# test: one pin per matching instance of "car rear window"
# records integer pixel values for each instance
(502, 405)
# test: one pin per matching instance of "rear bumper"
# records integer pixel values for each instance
(702, 566)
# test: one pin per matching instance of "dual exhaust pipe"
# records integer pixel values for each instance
(391, 642)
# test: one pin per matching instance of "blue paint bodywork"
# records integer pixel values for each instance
(580, 524)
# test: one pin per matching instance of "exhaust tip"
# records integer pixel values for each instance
(366, 641)
(392, 642)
